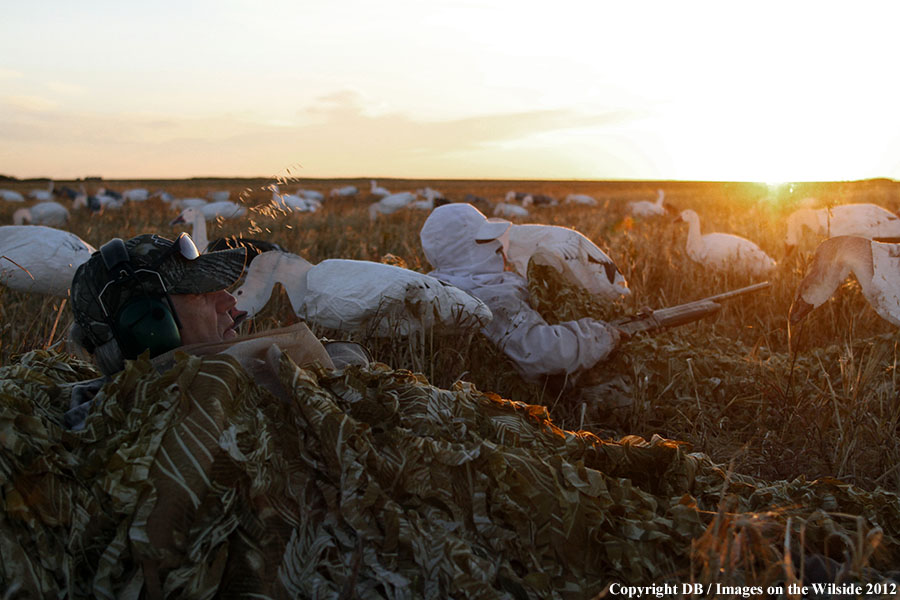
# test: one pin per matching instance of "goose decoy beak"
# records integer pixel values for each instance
(799, 309)
(177, 220)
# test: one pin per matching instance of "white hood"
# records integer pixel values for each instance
(450, 240)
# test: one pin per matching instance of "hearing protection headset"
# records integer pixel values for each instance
(147, 320)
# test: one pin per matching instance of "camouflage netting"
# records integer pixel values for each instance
(197, 483)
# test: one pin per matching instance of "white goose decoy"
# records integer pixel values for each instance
(195, 218)
(391, 204)
(50, 256)
(11, 196)
(428, 202)
(225, 209)
(645, 208)
(346, 191)
(311, 195)
(135, 195)
(42, 213)
(580, 199)
(356, 295)
(875, 265)
(514, 196)
(42, 195)
(104, 201)
(571, 253)
(506, 210)
(219, 195)
(864, 220)
(164, 196)
(293, 202)
(183, 203)
(724, 251)
(376, 190)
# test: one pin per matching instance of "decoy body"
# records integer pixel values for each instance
(724, 251)
(507, 210)
(580, 199)
(347, 191)
(864, 220)
(571, 253)
(645, 208)
(43, 213)
(34, 258)
(377, 190)
(390, 204)
(876, 267)
(11, 196)
(355, 295)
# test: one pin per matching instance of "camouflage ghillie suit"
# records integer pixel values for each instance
(197, 483)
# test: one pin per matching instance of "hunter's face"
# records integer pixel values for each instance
(208, 317)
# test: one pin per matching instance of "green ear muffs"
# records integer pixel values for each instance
(146, 323)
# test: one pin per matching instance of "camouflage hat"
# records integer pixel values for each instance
(160, 266)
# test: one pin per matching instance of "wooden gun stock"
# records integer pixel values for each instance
(673, 316)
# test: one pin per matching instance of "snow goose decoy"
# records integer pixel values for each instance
(314, 195)
(514, 196)
(42, 195)
(724, 251)
(580, 199)
(356, 295)
(42, 213)
(293, 202)
(864, 220)
(347, 191)
(195, 218)
(136, 195)
(645, 208)
(391, 204)
(40, 259)
(219, 195)
(506, 210)
(225, 209)
(429, 202)
(164, 196)
(876, 267)
(182, 203)
(571, 253)
(539, 200)
(376, 190)
(11, 196)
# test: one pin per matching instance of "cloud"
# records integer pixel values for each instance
(67, 89)
(343, 119)
(10, 74)
(28, 103)
(333, 137)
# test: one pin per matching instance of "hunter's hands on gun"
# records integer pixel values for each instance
(681, 314)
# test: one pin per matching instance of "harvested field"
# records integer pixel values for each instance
(819, 402)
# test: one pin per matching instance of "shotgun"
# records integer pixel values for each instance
(673, 316)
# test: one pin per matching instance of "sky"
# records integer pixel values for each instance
(450, 89)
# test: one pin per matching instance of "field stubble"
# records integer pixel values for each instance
(728, 385)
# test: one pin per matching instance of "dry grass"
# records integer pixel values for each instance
(728, 385)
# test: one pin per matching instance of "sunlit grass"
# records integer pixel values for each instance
(728, 384)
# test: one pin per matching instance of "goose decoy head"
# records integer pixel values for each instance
(799, 309)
